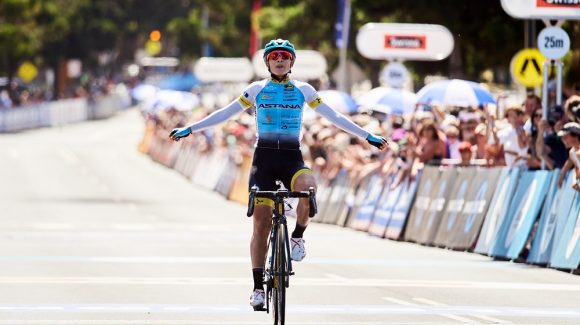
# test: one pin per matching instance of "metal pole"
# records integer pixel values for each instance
(559, 66)
(545, 99)
(342, 59)
(545, 90)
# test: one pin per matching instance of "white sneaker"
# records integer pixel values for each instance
(298, 250)
(258, 298)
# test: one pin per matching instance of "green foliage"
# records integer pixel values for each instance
(486, 37)
(19, 32)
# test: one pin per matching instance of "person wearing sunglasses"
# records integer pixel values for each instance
(279, 103)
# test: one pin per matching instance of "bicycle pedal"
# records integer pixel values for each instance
(259, 308)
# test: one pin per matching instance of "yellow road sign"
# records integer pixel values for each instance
(527, 67)
(27, 71)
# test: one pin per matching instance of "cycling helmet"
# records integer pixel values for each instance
(279, 44)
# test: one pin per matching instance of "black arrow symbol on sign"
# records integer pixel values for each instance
(534, 62)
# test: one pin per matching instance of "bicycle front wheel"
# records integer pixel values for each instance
(280, 273)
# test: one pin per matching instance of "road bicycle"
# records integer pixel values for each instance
(279, 267)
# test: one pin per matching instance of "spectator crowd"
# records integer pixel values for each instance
(518, 136)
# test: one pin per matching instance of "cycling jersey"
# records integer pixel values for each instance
(279, 110)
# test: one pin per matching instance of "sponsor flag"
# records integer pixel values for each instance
(255, 27)
(341, 27)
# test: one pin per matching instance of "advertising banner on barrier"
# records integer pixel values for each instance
(428, 180)
(437, 205)
(349, 202)
(455, 201)
(323, 192)
(555, 212)
(477, 200)
(226, 181)
(497, 210)
(365, 213)
(567, 252)
(239, 191)
(401, 209)
(356, 200)
(385, 207)
(522, 212)
(340, 188)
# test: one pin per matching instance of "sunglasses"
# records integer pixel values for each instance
(275, 55)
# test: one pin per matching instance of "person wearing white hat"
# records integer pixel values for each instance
(570, 135)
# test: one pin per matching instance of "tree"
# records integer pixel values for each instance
(19, 33)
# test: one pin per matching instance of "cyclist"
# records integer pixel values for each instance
(278, 103)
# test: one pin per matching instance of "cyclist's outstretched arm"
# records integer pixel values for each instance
(213, 119)
(349, 126)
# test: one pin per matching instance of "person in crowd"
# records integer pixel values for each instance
(452, 142)
(465, 150)
(531, 104)
(279, 102)
(533, 159)
(549, 146)
(572, 108)
(513, 138)
(570, 135)
(430, 147)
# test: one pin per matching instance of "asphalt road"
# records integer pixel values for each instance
(93, 232)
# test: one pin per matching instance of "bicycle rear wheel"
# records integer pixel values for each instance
(280, 273)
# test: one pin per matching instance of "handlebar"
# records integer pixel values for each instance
(283, 194)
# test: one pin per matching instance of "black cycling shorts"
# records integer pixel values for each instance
(270, 165)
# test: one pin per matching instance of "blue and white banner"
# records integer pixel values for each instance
(401, 209)
(437, 205)
(455, 201)
(477, 201)
(567, 253)
(522, 213)
(365, 212)
(340, 188)
(385, 207)
(556, 209)
(429, 179)
(497, 210)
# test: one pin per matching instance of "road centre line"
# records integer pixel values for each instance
(209, 309)
(299, 281)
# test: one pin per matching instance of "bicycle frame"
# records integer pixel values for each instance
(279, 223)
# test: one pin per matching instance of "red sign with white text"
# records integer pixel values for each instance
(407, 42)
(557, 3)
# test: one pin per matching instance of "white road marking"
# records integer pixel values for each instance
(299, 281)
(446, 315)
(266, 320)
(399, 301)
(53, 226)
(486, 318)
(208, 309)
(336, 277)
(133, 226)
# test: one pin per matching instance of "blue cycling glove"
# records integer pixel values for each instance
(179, 133)
(377, 141)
